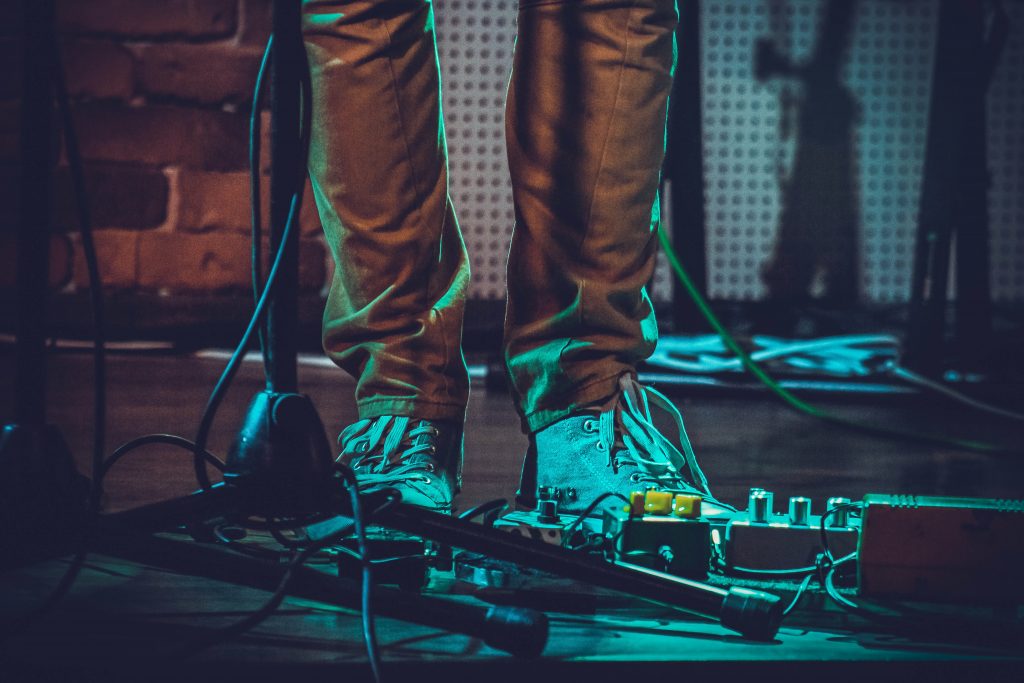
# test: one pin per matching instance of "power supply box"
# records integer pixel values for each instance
(942, 549)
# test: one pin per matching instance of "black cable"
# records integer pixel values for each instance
(799, 404)
(590, 509)
(270, 605)
(78, 561)
(85, 228)
(889, 619)
(224, 382)
(842, 600)
(799, 594)
(255, 195)
(824, 530)
(306, 130)
(257, 322)
(498, 505)
(920, 381)
(220, 389)
(248, 550)
(383, 560)
(290, 543)
(299, 558)
(941, 627)
(369, 633)
(168, 439)
(794, 572)
(824, 568)
(285, 522)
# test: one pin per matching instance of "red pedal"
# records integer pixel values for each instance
(941, 549)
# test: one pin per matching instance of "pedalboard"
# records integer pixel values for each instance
(942, 549)
(918, 548)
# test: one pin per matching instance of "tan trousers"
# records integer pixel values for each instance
(585, 132)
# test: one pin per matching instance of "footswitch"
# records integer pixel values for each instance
(398, 558)
(677, 545)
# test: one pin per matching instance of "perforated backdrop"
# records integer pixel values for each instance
(750, 134)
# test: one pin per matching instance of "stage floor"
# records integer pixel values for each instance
(129, 620)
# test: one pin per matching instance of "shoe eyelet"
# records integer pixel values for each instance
(590, 426)
(601, 447)
(634, 478)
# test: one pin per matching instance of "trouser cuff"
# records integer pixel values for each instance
(410, 407)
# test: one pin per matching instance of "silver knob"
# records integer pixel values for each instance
(841, 517)
(799, 511)
(755, 492)
(760, 506)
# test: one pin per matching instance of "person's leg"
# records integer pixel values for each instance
(378, 165)
(585, 126)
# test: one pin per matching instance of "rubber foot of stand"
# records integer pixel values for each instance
(44, 500)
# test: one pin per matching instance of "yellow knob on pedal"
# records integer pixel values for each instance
(658, 503)
(636, 504)
(686, 506)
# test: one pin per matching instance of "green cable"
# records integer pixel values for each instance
(793, 401)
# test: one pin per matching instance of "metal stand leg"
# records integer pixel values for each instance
(43, 498)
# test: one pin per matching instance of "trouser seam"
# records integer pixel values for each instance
(448, 355)
(401, 119)
(611, 125)
(420, 194)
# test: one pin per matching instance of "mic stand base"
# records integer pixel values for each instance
(44, 500)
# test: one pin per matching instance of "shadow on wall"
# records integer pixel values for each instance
(816, 251)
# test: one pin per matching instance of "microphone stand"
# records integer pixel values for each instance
(43, 498)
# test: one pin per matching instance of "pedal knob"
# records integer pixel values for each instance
(636, 504)
(547, 511)
(799, 511)
(658, 503)
(760, 506)
(686, 506)
(841, 517)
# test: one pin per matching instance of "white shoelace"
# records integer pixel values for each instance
(656, 458)
(385, 450)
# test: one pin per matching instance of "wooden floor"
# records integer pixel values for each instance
(122, 615)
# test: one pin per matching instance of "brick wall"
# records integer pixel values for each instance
(162, 93)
